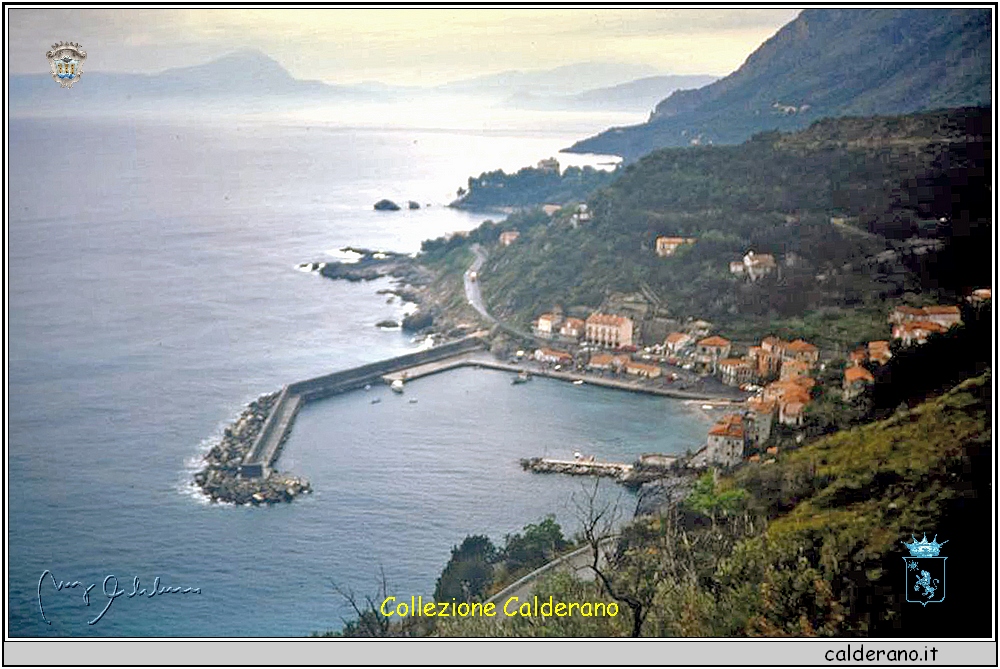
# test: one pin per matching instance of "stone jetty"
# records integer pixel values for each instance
(220, 478)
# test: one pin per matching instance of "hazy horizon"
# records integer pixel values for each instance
(401, 46)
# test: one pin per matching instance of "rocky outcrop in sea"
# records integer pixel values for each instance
(220, 478)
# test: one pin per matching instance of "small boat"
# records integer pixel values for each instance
(522, 377)
(413, 400)
(376, 400)
(578, 382)
(397, 386)
(707, 407)
(368, 386)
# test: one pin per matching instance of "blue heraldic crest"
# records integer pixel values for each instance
(924, 571)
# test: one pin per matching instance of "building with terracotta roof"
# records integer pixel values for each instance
(946, 316)
(643, 370)
(878, 351)
(803, 351)
(665, 246)
(573, 328)
(855, 381)
(553, 356)
(735, 371)
(916, 332)
(712, 349)
(980, 296)
(609, 330)
(763, 412)
(727, 441)
(677, 342)
(791, 369)
(607, 362)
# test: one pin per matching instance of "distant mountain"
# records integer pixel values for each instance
(248, 78)
(826, 62)
(565, 80)
(639, 95)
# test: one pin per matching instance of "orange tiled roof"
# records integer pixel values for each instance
(642, 366)
(732, 362)
(802, 346)
(939, 309)
(573, 322)
(714, 340)
(547, 317)
(855, 374)
(675, 337)
(598, 318)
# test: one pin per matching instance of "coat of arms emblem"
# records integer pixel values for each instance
(924, 571)
(66, 60)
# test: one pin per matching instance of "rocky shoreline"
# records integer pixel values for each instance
(220, 480)
(412, 284)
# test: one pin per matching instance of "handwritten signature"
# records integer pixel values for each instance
(111, 591)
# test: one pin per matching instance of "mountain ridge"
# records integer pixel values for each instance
(825, 63)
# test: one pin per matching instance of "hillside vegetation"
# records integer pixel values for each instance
(826, 62)
(811, 545)
(910, 197)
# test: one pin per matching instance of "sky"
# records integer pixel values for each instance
(397, 46)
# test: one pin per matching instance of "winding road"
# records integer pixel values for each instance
(472, 293)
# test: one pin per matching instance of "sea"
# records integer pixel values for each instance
(154, 289)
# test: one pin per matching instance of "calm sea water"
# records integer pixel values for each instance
(153, 292)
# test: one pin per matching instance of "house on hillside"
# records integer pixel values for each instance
(548, 165)
(856, 379)
(727, 441)
(546, 324)
(916, 332)
(878, 352)
(665, 246)
(944, 315)
(755, 266)
(802, 351)
(508, 237)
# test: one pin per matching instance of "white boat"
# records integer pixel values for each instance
(397, 386)
(578, 382)
(706, 407)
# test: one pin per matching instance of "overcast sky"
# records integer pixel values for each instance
(402, 46)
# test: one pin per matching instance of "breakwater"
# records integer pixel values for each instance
(240, 469)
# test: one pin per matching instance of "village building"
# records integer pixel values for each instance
(551, 209)
(980, 296)
(944, 315)
(609, 330)
(665, 246)
(553, 356)
(878, 352)
(791, 369)
(547, 324)
(791, 397)
(802, 351)
(548, 165)
(916, 332)
(726, 441)
(573, 328)
(581, 215)
(855, 381)
(735, 371)
(677, 342)
(642, 369)
(606, 362)
(712, 349)
(764, 412)
(754, 265)
(508, 237)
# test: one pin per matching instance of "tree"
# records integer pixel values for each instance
(469, 572)
(538, 545)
